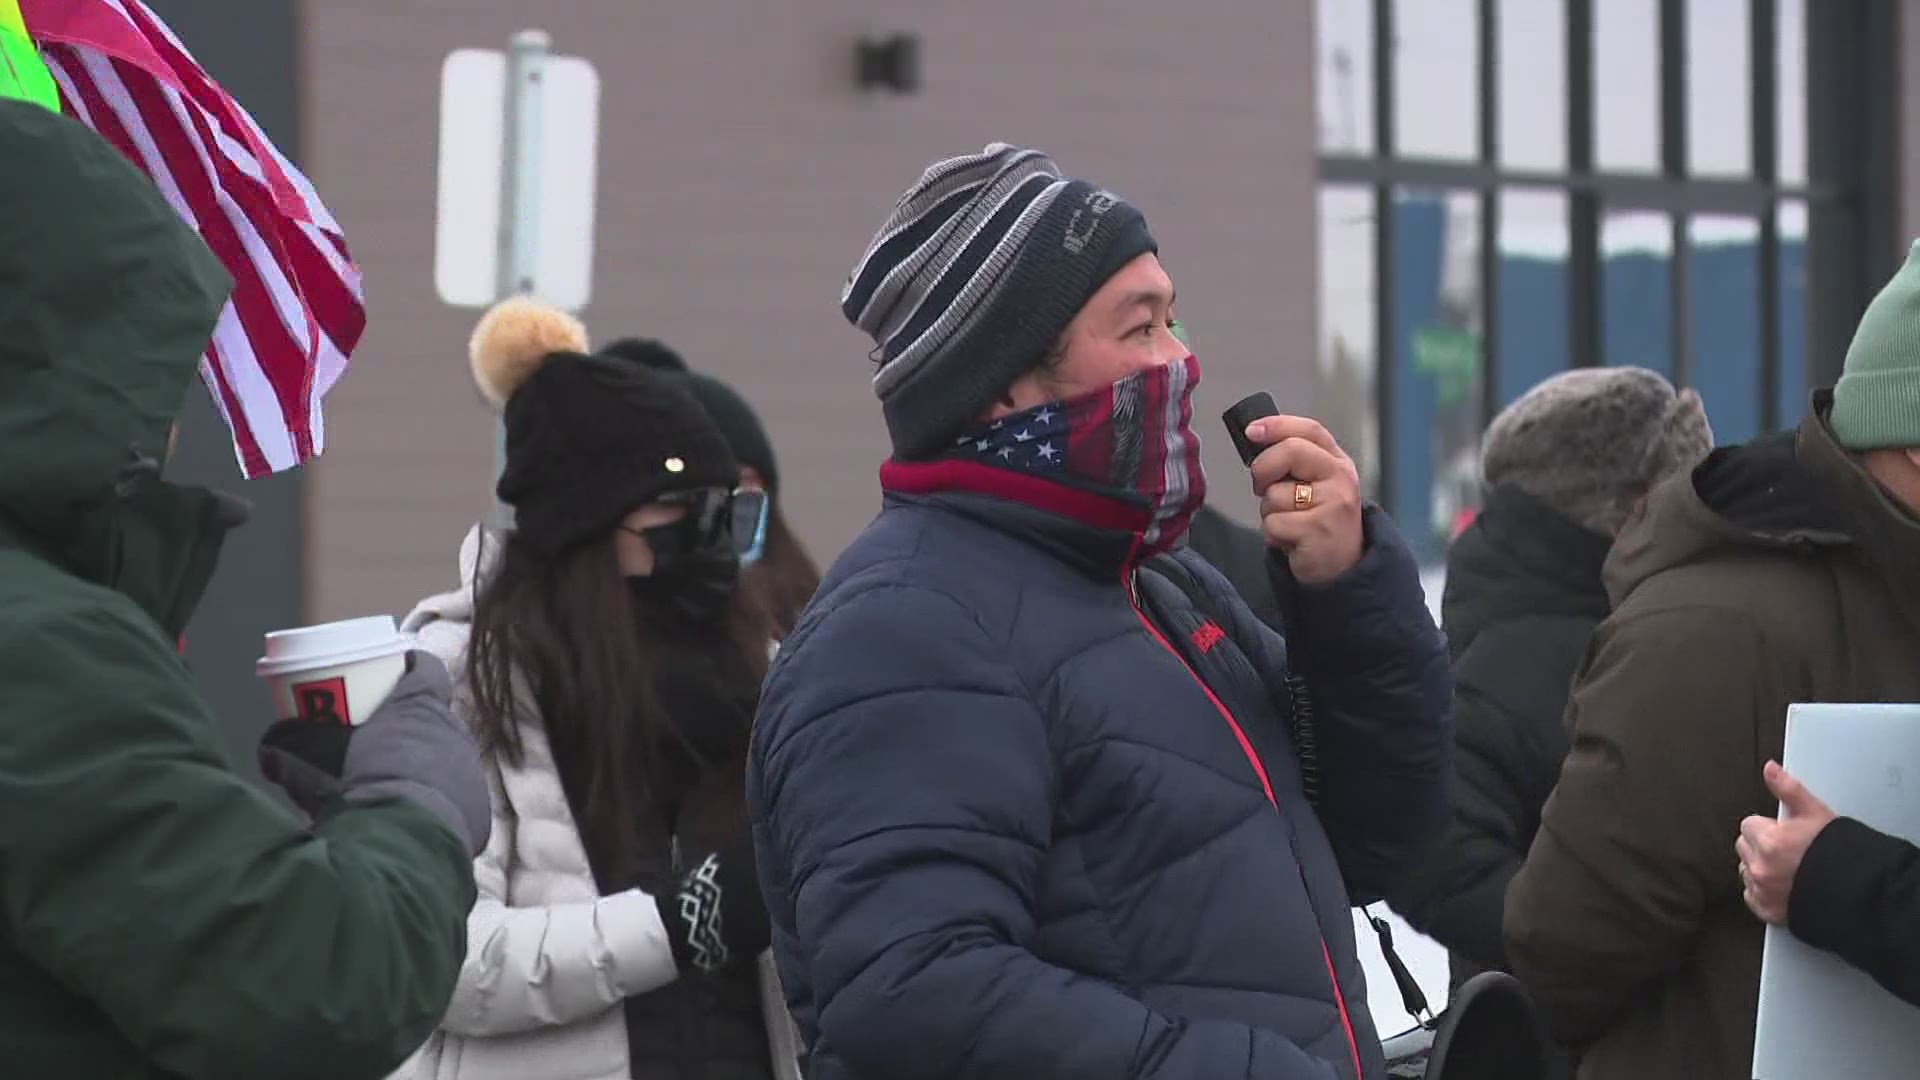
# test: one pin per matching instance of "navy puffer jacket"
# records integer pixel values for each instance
(1006, 830)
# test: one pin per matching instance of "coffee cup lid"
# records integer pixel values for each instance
(304, 648)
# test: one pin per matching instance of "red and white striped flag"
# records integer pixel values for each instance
(297, 308)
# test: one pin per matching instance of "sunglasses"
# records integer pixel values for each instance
(715, 520)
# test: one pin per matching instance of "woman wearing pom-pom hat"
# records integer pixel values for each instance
(783, 569)
(610, 664)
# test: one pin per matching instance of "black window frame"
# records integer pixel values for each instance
(1854, 236)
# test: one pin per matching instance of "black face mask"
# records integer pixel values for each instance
(695, 589)
(696, 559)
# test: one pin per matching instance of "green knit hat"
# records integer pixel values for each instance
(1876, 404)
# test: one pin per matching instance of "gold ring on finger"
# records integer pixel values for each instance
(1302, 496)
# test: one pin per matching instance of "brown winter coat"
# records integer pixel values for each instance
(1775, 573)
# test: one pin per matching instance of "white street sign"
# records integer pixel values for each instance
(554, 230)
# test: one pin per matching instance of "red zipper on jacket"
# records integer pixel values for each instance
(1260, 770)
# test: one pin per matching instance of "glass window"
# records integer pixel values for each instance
(1452, 345)
(1348, 298)
(1533, 83)
(1636, 264)
(1723, 331)
(1438, 365)
(1790, 397)
(1345, 80)
(1626, 91)
(1532, 334)
(1791, 39)
(1436, 76)
(1719, 88)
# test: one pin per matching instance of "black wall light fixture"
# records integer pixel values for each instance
(891, 63)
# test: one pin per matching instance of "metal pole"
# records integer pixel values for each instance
(1386, 377)
(1585, 344)
(520, 194)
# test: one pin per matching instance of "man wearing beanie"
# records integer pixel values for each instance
(1564, 467)
(1786, 570)
(1027, 790)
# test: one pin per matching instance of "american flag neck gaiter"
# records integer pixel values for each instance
(1133, 439)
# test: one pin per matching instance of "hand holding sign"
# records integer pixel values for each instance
(1770, 851)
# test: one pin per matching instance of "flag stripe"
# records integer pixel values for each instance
(247, 137)
(334, 299)
(300, 334)
(297, 309)
(227, 402)
(249, 314)
(86, 102)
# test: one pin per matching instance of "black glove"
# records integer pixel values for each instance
(412, 747)
(716, 916)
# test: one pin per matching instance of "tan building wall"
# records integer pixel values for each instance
(741, 174)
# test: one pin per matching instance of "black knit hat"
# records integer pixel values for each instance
(972, 279)
(589, 439)
(736, 418)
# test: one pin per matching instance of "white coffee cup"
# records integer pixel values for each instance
(336, 672)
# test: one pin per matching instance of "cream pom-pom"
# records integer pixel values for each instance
(514, 338)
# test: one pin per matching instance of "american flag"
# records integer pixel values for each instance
(1114, 437)
(1032, 441)
(297, 309)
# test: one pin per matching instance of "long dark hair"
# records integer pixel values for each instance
(786, 575)
(586, 661)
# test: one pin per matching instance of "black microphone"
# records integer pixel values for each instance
(1305, 743)
(1244, 412)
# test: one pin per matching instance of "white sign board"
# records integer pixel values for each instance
(1820, 1016)
(473, 164)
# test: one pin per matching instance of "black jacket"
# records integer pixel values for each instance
(1025, 808)
(698, 1027)
(1857, 894)
(1240, 554)
(1523, 596)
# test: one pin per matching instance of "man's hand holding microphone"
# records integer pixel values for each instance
(1309, 489)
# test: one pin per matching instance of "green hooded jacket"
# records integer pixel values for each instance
(159, 916)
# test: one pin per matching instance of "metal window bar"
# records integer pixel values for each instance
(1673, 88)
(1673, 166)
(1853, 136)
(1852, 70)
(1489, 78)
(1386, 375)
(1632, 191)
(1763, 46)
(1584, 347)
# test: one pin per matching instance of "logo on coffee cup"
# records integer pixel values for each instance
(323, 701)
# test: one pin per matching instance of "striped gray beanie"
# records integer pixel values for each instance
(972, 279)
